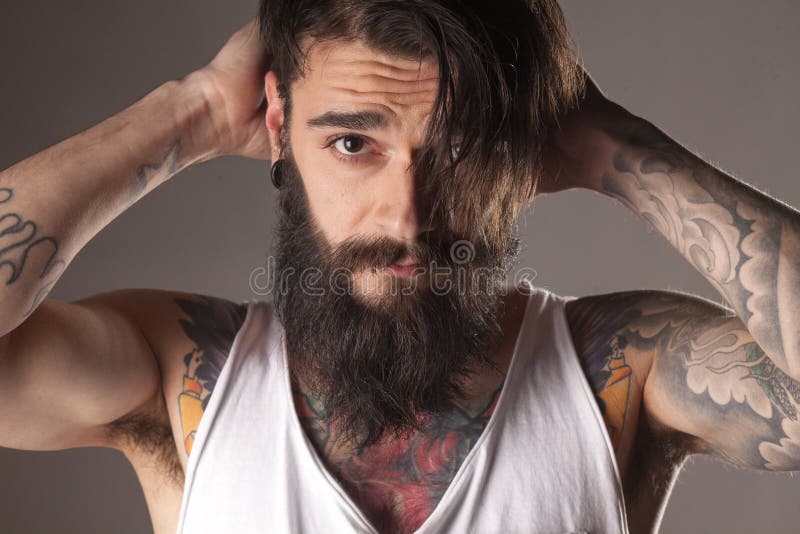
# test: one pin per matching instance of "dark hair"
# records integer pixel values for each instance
(507, 70)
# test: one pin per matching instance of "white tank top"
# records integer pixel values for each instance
(544, 463)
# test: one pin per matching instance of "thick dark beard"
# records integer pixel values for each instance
(381, 369)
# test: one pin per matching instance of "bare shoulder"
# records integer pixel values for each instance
(208, 330)
(615, 366)
(190, 336)
(676, 374)
(618, 338)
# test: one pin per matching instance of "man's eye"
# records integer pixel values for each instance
(351, 145)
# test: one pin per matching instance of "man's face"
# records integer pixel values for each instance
(379, 356)
(358, 118)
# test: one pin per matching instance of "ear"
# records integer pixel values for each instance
(274, 117)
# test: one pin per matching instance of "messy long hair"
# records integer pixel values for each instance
(507, 70)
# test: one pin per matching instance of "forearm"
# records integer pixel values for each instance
(54, 202)
(746, 244)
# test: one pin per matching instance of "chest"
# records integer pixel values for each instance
(398, 482)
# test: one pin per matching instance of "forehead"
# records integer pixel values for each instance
(351, 75)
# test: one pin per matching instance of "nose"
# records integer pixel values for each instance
(403, 205)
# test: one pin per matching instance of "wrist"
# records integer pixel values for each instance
(611, 134)
(191, 105)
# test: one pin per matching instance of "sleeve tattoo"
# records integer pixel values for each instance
(709, 379)
(746, 244)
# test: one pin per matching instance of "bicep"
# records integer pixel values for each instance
(710, 380)
(69, 370)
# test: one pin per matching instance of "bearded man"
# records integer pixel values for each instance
(397, 382)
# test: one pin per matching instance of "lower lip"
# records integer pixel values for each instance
(406, 270)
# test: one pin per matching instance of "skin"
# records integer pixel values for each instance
(721, 381)
(374, 193)
(22, 239)
(673, 374)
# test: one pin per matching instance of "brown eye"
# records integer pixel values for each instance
(350, 145)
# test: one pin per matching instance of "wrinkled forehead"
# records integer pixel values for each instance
(351, 75)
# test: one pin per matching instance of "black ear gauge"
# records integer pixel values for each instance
(277, 173)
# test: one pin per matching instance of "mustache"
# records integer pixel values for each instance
(360, 252)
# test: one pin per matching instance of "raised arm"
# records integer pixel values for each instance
(54, 202)
(67, 370)
(746, 244)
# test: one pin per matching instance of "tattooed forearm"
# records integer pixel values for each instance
(168, 165)
(31, 261)
(25, 252)
(744, 242)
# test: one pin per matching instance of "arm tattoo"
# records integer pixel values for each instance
(709, 378)
(605, 351)
(745, 243)
(212, 325)
(18, 239)
(169, 162)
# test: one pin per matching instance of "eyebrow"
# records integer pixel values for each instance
(354, 120)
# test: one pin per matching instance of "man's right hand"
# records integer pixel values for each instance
(66, 194)
(68, 370)
(234, 87)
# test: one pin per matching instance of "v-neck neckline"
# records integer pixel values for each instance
(309, 451)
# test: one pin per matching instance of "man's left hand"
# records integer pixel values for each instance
(583, 143)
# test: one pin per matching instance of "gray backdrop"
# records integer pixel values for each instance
(720, 76)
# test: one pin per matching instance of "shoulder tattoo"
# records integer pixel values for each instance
(212, 325)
